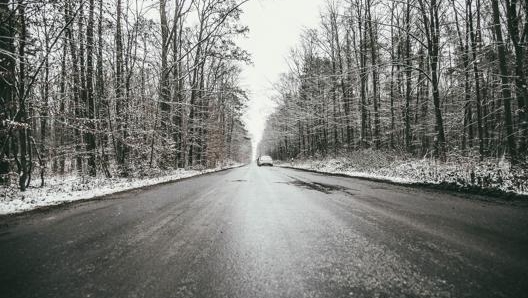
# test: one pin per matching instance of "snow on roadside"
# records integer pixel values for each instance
(58, 190)
(335, 166)
(488, 175)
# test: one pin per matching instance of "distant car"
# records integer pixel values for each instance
(265, 160)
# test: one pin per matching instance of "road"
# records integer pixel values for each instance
(269, 232)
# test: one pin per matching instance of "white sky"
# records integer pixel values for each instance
(275, 27)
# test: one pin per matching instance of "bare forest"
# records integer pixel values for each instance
(119, 88)
(263, 148)
(439, 79)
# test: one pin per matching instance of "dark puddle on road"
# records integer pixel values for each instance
(239, 180)
(321, 187)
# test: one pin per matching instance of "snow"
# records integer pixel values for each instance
(63, 189)
(456, 171)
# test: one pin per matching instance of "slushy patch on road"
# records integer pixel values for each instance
(322, 187)
(64, 189)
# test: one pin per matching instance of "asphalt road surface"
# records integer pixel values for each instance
(269, 232)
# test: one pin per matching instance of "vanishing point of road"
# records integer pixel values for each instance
(269, 232)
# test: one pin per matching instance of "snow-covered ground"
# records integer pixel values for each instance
(58, 190)
(460, 172)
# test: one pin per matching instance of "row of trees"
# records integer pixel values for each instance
(119, 87)
(423, 77)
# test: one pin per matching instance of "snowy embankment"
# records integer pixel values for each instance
(64, 189)
(487, 177)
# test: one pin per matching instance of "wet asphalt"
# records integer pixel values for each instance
(269, 232)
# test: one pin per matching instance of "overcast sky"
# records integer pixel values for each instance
(275, 27)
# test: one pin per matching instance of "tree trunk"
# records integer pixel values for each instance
(519, 45)
(375, 77)
(7, 83)
(505, 82)
(44, 109)
(164, 83)
(21, 115)
(478, 96)
(408, 73)
(90, 131)
(120, 96)
(432, 31)
(101, 103)
(76, 85)
(363, 80)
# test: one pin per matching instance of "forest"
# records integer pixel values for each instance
(119, 88)
(435, 79)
